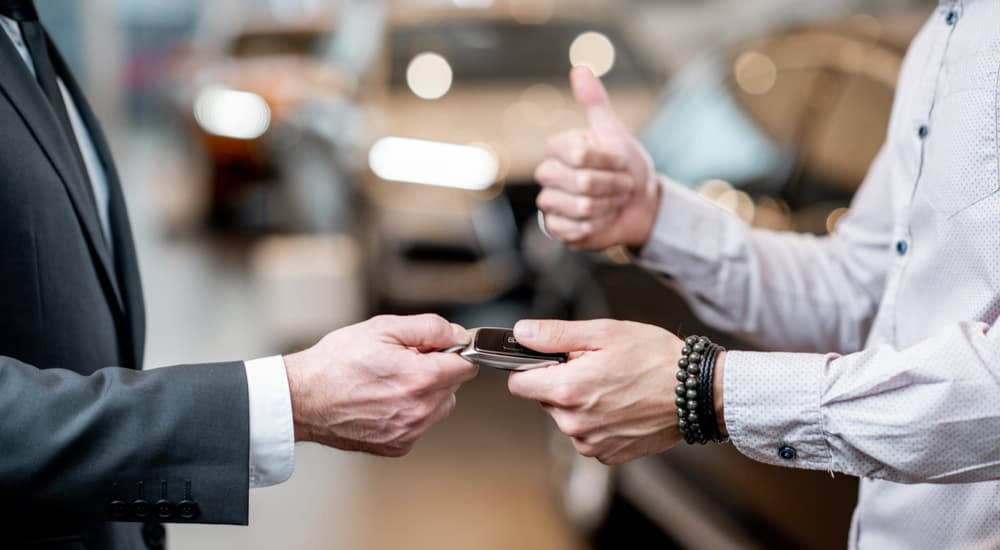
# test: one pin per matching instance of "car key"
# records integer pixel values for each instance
(497, 348)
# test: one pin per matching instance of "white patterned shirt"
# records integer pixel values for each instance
(889, 326)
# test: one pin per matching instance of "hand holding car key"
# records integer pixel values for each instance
(497, 348)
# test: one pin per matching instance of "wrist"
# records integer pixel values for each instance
(651, 206)
(298, 389)
(717, 388)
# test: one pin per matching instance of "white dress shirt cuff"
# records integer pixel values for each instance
(688, 235)
(772, 407)
(272, 436)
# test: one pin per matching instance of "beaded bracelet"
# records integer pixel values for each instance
(695, 400)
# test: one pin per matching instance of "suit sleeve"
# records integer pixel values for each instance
(89, 447)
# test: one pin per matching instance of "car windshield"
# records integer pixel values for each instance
(275, 43)
(484, 51)
(720, 140)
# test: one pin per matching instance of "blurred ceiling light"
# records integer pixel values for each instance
(532, 12)
(594, 50)
(834, 217)
(429, 75)
(737, 202)
(433, 163)
(755, 72)
(473, 4)
(232, 113)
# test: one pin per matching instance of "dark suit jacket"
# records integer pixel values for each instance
(88, 442)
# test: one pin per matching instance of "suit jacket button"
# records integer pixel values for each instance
(164, 509)
(188, 509)
(117, 509)
(141, 508)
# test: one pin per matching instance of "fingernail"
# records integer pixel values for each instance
(525, 330)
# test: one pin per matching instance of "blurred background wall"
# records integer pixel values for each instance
(296, 166)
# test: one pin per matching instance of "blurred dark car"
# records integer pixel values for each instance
(459, 108)
(236, 91)
(780, 131)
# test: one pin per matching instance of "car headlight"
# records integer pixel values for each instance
(433, 163)
(232, 113)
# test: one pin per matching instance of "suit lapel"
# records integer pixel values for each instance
(126, 262)
(26, 97)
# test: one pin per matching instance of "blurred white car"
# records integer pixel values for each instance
(458, 109)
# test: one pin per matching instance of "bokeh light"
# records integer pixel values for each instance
(429, 75)
(593, 49)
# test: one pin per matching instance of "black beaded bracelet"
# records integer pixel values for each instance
(695, 406)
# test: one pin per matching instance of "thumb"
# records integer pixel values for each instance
(593, 98)
(427, 332)
(561, 336)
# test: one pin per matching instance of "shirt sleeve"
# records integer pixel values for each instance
(272, 436)
(780, 290)
(924, 414)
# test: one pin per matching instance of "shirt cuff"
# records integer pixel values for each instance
(772, 408)
(688, 234)
(272, 436)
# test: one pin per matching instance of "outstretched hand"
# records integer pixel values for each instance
(377, 386)
(615, 396)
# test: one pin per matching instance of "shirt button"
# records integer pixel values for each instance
(922, 131)
(951, 18)
(901, 247)
(787, 452)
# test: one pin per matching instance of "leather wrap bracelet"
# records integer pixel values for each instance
(695, 398)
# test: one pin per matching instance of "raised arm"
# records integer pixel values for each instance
(599, 190)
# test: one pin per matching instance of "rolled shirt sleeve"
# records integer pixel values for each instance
(272, 435)
(925, 414)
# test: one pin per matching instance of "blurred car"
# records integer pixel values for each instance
(236, 89)
(459, 107)
(780, 131)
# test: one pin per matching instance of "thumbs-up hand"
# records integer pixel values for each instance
(599, 188)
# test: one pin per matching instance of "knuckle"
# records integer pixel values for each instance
(565, 396)
(572, 426)
(585, 206)
(422, 410)
(585, 449)
(381, 322)
(585, 182)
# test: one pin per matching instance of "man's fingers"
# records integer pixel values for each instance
(593, 98)
(578, 149)
(552, 173)
(553, 336)
(576, 233)
(577, 207)
(535, 384)
(427, 332)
